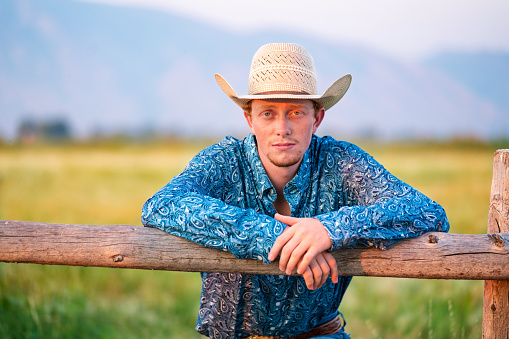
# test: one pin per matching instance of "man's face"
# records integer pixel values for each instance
(283, 129)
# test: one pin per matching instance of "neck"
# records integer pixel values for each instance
(279, 177)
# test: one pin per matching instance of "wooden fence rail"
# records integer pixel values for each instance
(431, 256)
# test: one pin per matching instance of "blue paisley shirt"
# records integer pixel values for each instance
(223, 200)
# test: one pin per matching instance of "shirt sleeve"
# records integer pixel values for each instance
(192, 206)
(380, 209)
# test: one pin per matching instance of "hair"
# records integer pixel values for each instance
(248, 107)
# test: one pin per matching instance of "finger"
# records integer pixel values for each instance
(285, 219)
(279, 244)
(307, 255)
(333, 265)
(317, 273)
(299, 253)
(308, 278)
(324, 266)
(312, 275)
(289, 255)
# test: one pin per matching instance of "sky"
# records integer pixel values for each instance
(402, 29)
(111, 68)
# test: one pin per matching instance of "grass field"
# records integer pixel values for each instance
(108, 183)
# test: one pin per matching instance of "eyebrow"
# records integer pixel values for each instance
(291, 106)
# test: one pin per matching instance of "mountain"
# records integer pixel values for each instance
(109, 68)
(484, 73)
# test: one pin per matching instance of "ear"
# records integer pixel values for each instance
(249, 122)
(318, 119)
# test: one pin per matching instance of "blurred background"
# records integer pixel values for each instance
(420, 69)
(103, 102)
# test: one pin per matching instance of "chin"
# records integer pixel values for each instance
(285, 162)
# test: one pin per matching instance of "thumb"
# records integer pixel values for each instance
(285, 219)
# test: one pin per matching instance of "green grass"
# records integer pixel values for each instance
(108, 183)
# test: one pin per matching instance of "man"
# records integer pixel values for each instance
(283, 191)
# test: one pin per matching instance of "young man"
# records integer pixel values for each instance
(282, 191)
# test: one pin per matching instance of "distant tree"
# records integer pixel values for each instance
(27, 131)
(52, 130)
(56, 130)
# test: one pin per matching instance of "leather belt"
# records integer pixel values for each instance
(330, 327)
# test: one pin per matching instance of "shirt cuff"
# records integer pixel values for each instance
(337, 234)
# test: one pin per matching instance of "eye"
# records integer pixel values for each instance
(266, 114)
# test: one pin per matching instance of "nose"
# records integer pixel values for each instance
(283, 127)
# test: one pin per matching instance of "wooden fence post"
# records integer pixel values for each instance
(495, 323)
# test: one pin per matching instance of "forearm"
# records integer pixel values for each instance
(379, 208)
(212, 223)
(381, 224)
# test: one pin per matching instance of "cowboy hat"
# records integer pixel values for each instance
(285, 71)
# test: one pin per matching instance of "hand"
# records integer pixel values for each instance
(300, 243)
(319, 269)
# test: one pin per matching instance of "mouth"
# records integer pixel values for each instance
(282, 146)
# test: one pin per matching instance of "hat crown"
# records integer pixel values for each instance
(282, 67)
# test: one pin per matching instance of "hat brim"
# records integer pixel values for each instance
(328, 99)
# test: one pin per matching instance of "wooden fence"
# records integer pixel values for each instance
(430, 256)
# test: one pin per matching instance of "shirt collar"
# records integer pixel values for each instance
(256, 165)
(302, 177)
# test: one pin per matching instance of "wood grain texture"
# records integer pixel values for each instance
(431, 256)
(496, 292)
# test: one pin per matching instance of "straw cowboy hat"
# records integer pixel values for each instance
(285, 71)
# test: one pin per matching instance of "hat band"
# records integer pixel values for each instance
(282, 92)
(280, 88)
